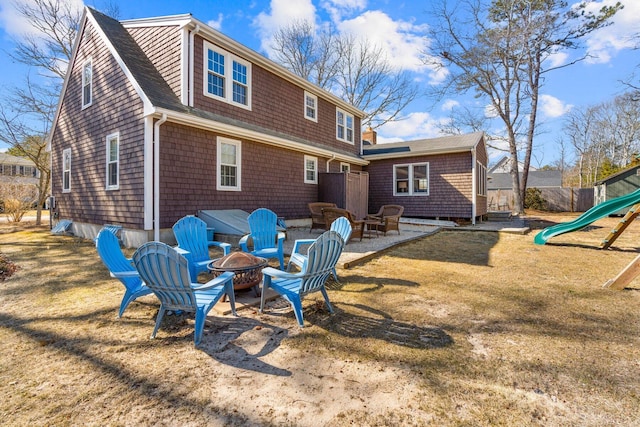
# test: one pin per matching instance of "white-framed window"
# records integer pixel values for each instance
(310, 106)
(229, 155)
(87, 83)
(310, 170)
(226, 76)
(66, 170)
(344, 126)
(481, 179)
(411, 179)
(345, 167)
(113, 161)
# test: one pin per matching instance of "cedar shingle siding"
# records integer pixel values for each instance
(450, 194)
(115, 108)
(162, 46)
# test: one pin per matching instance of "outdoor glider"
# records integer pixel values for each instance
(601, 210)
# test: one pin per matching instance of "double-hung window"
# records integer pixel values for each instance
(87, 83)
(481, 179)
(310, 106)
(411, 179)
(310, 170)
(344, 126)
(113, 161)
(229, 157)
(226, 76)
(66, 170)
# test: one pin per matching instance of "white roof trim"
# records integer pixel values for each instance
(240, 132)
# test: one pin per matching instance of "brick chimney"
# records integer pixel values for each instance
(370, 136)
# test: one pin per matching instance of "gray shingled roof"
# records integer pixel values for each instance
(537, 179)
(158, 90)
(444, 144)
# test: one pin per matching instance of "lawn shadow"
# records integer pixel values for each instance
(379, 326)
(370, 284)
(241, 341)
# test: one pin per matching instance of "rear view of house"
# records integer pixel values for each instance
(163, 117)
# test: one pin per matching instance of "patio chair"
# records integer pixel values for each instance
(167, 273)
(317, 218)
(191, 235)
(388, 217)
(120, 267)
(340, 225)
(357, 226)
(322, 257)
(267, 241)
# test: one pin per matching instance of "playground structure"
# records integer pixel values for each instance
(602, 210)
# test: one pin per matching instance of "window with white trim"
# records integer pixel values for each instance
(310, 106)
(113, 161)
(226, 76)
(411, 179)
(345, 167)
(87, 83)
(66, 170)
(310, 170)
(344, 126)
(229, 155)
(481, 179)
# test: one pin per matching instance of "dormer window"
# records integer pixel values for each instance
(87, 83)
(226, 77)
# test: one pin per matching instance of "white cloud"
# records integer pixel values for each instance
(557, 59)
(603, 44)
(217, 23)
(339, 8)
(552, 107)
(402, 41)
(417, 125)
(282, 12)
(15, 25)
(449, 105)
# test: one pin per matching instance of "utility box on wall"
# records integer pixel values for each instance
(348, 190)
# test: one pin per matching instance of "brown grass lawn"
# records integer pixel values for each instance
(456, 329)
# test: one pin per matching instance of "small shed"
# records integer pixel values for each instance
(616, 185)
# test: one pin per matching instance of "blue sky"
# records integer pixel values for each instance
(399, 27)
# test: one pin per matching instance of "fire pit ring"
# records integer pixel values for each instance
(246, 267)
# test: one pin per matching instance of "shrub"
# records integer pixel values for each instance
(534, 200)
(7, 268)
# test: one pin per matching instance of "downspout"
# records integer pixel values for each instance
(156, 177)
(330, 160)
(474, 186)
(192, 36)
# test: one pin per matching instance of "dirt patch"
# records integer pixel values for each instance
(474, 328)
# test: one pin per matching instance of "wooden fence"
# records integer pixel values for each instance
(558, 199)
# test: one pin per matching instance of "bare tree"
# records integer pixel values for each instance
(350, 67)
(499, 49)
(26, 111)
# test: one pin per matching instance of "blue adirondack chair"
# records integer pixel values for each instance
(168, 275)
(268, 242)
(120, 267)
(191, 235)
(340, 225)
(322, 256)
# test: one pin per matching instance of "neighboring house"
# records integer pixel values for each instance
(442, 178)
(18, 169)
(616, 185)
(504, 166)
(162, 117)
